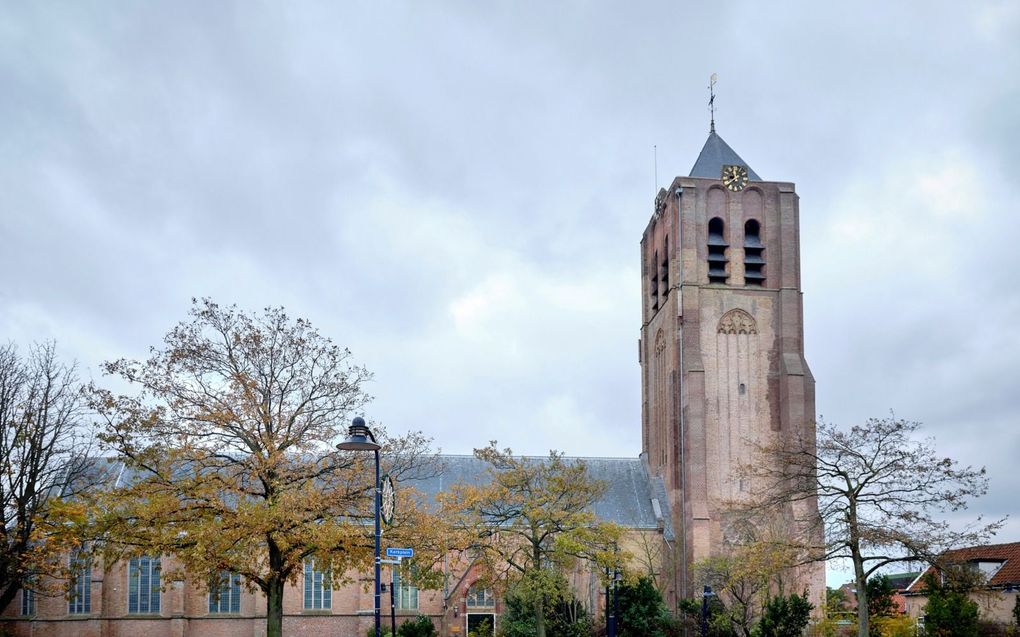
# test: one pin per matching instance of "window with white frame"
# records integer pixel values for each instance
(406, 592)
(143, 585)
(480, 597)
(27, 600)
(225, 593)
(318, 591)
(80, 600)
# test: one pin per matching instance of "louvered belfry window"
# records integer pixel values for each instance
(754, 254)
(653, 285)
(664, 271)
(717, 246)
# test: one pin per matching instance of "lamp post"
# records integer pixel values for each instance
(617, 576)
(610, 616)
(613, 576)
(704, 610)
(360, 438)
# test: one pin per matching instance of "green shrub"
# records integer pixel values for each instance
(784, 617)
(880, 597)
(484, 629)
(950, 611)
(719, 622)
(563, 619)
(420, 626)
(642, 612)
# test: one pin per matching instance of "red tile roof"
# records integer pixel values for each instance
(1008, 573)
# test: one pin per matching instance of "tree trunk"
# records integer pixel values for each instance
(274, 608)
(539, 618)
(8, 593)
(859, 576)
(862, 595)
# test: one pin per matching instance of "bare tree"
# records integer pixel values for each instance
(44, 444)
(879, 491)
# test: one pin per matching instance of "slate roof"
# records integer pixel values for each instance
(1008, 573)
(627, 501)
(714, 155)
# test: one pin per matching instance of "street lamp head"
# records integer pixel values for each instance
(359, 437)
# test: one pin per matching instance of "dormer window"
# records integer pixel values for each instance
(717, 251)
(754, 254)
(987, 568)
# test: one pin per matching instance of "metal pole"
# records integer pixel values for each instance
(704, 611)
(609, 624)
(393, 604)
(616, 601)
(378, 540)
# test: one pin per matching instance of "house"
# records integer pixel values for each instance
(998, 566)
(898, 581)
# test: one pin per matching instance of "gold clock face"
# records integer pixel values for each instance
(734, 177)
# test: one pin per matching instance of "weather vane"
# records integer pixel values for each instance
(711, 99)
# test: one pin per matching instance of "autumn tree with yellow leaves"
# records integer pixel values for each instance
(229, 443)
(531, 523)
(754, 565)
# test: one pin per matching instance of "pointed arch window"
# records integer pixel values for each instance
(653, 286)
(406, 593)
(754, 254)
(664, 270)
(143, 585)
(225, 593)
(80, 600)
(28, 599)
(717, 246)
(480, 597)
(318, 586)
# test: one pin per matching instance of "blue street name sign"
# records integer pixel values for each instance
(399, 552)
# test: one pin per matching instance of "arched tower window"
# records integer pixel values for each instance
(664, 270)
(754, 254)
(717, 251)
(653, 285)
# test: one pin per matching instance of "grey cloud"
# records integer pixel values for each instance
(373, 168)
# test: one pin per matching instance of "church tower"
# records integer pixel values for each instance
(722, 345)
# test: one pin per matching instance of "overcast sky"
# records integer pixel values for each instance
(456, 191)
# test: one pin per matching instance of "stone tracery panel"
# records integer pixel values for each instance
(737, 322)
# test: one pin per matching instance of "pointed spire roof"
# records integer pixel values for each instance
(716, 154)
